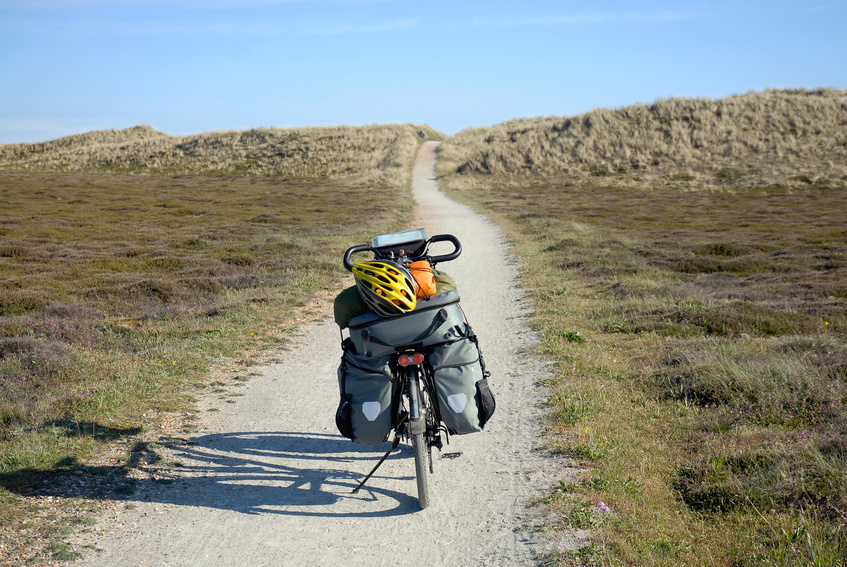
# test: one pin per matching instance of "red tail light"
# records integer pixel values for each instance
(408, 359)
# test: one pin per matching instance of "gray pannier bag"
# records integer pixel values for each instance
(365, 411)
(438, 328)
(434, 321)
(465, 401)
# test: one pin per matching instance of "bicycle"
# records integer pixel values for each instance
(411, 343)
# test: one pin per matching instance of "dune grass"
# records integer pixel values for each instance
(369, 154)
(774, 138)
(699, 339)
(119, 291)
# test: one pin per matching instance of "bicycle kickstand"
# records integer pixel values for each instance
(394, 445)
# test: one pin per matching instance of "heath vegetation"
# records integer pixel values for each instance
(688, 265)
(132, 262)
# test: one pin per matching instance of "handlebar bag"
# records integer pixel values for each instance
(365, 411)
(436, 320)
(465, 400)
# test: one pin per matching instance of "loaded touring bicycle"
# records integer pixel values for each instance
(411, 364)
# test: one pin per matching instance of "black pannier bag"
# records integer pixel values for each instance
(465, 400)
(366, 408)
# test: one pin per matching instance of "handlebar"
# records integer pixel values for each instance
(445, 238)
(353, 250)
(457, 251)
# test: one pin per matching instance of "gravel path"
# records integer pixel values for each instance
(268, 479)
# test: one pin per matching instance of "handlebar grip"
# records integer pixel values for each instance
(446, 238)
(353, 250)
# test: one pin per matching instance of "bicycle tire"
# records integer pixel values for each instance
(421, 468)
(422, 456)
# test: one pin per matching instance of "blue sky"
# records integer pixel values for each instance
(191, 66)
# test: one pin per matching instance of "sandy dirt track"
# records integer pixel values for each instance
(268, 479)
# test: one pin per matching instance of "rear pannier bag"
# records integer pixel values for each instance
(465, 401)
(436, 320)
(365, 411)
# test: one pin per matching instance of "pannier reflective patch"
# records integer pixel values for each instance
(371, 410)
(457, 402)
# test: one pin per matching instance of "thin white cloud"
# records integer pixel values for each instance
(811, 10)
(376, 27)
(245, 28)
(183, 4)
(598, 18)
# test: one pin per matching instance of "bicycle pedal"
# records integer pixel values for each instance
(451, 455)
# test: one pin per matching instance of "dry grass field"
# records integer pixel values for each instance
(132, 263)
(688, 265)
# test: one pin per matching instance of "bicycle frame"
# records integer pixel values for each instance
(423, 423)
(423, 412)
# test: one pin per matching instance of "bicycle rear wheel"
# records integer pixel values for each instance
(422, 451)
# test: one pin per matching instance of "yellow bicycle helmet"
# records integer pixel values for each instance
(388, 288)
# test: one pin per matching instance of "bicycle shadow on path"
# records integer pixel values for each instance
(286, 473)
(256, 473)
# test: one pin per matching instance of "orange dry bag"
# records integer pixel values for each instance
(422, 272)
